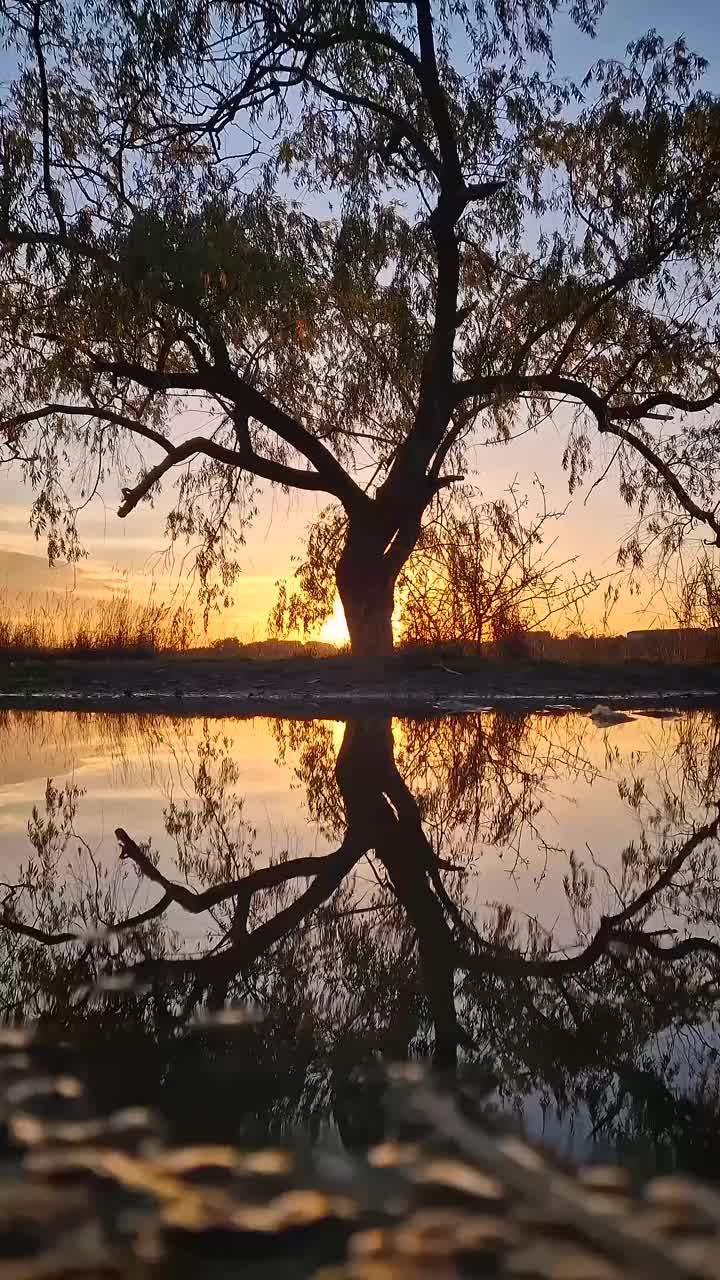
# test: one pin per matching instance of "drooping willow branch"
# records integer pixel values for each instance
(611, 930)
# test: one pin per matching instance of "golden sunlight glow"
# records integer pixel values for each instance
(335, 631)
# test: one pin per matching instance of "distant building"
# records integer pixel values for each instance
(674, 644)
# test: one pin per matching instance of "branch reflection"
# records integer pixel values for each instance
(384, 948)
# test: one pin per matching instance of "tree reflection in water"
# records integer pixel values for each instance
(379, 950)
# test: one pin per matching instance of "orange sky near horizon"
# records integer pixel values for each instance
(131, 551)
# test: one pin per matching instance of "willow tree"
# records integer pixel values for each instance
(355, 234)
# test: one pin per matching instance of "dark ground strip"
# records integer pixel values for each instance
(342, 687)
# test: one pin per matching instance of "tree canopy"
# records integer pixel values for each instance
(347, 236)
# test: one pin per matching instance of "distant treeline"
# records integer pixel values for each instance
(669, 644)
(661, 644)
(231, 646)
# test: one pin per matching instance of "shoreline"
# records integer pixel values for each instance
(341, 688)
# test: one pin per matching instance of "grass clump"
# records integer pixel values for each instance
(119, 623)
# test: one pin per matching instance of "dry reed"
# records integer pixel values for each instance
(119, 623)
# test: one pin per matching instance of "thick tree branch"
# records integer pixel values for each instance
(36, 935)
(51, 191)
(331, 874)
(435, 95)
(331, 475)
(365, 35)
(611, 929)
(707, 832)
(686, 501)
(494, 385)
(172, 295)
(539, 384)
(679, 951)
(10, 426)
(263, 878)
(462, 421)
(244, 460)
(218, 379)
(49, 939)
(665, 400)
(250, 946)
(65, 240)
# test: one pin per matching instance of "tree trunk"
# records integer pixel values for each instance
(366, 586)
(384, 814)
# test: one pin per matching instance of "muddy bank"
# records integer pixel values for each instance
(342, 686)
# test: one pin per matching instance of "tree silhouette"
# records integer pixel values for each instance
(479, 571)
(352, 234)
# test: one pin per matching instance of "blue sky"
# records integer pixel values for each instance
(592, 527)
(697, 20)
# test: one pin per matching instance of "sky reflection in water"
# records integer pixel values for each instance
(449, 901)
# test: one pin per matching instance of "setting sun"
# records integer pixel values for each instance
(335, 631)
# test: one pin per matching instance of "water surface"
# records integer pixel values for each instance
(529, 901)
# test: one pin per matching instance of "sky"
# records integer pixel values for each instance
(594, 524)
